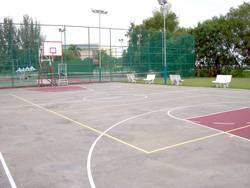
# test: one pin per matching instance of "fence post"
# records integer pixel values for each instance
(110, 51)
(12, 74)
(89, 62)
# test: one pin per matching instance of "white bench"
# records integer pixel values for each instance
(175, 79)
(222, 80)
(150, 78)
(131, 78)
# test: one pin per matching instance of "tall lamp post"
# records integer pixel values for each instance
(63, 30)
(164, 5)
(121, 41)
(100, 12)
(139, 43)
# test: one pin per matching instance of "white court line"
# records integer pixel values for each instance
(189, 121)
(129, 102)
(120, 105)
(172, 92)
(86, 99)
(212, 90)
(90, 177)
(78, 123)
(197, 121)
(122, 94)
(11, 180)
(215, 113)
(115, 97)
(198, 139)
(223, 123)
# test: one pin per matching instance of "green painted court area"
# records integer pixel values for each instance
(123, 135)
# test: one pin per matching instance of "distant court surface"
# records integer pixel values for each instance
(236, 122)
(124, 135)
(57, 89)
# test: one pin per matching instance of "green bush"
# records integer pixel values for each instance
(246, 73)
(202, 72)
(237, 72)
(226, 70)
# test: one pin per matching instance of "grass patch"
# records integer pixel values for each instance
(198, 82)
(240, 83)
(236, 83)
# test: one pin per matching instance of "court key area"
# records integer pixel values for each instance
(119, 135)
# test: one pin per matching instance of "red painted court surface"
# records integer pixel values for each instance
(58, 89)
(237, 122)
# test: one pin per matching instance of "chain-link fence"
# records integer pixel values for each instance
(92, 54)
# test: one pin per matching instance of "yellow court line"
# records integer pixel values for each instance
(123, 142)
(80, 124)
(196, 140)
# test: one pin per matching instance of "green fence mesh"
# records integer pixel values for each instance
(140, 53)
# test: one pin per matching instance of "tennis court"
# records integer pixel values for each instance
(124, 135)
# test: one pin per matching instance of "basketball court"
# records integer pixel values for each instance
(124, 135)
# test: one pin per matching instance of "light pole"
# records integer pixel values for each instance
(62, 31)
(121, 41)
(139, 43)
(164, 5)
(149, 65)
(100, 12)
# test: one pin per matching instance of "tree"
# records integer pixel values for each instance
(2, 46)
(239, 20)
(29, 35)
(157, 22)
(9, 44)
(72, 53)
(224, 42)
(146, 41)
(211, 44)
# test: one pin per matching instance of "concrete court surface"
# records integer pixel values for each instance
(118, 135)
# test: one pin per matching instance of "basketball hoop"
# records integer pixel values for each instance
(52, 48)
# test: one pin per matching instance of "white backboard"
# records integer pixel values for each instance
(52, 48)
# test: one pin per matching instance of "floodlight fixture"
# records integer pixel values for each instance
(120, 40)
(162, 2)
(99, 11)
(61, 30)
